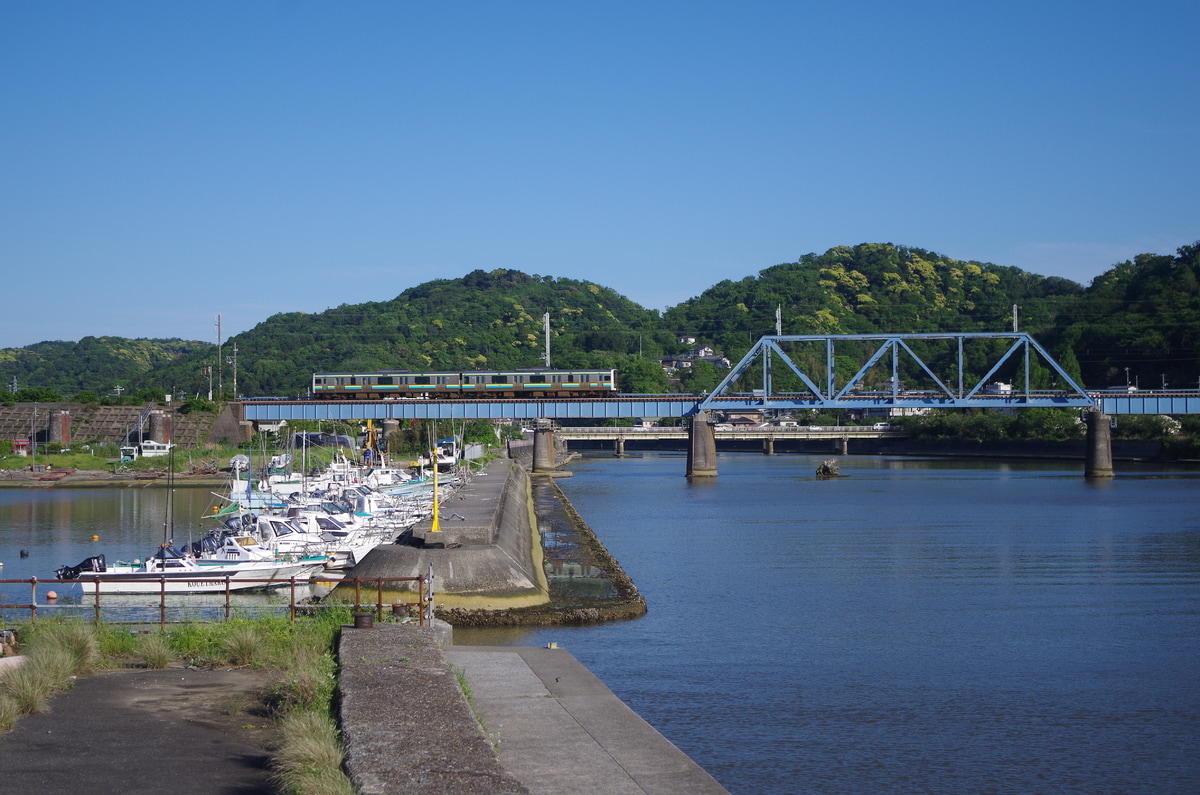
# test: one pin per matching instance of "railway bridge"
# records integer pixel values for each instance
(799, 373)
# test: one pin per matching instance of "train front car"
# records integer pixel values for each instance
(488, 384)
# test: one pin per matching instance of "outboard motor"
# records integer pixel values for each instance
(94, 563)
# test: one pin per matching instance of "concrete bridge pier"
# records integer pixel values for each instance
(543, 448)
(841, 446)
(620, 446)
(769, 446)
(702, 447)
(1098, 447)
(60, 428)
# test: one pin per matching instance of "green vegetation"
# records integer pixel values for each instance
(1138, 323)
(1143, 314)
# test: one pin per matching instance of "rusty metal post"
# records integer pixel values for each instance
(228, 612)
(32, 597)
(292, 600)
(357, 593)
(97, 580)
(379, 599)
(162, 603)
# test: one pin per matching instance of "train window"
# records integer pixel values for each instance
(499, 379)
(318, 381)
(606, 377)
(353, 380)
(385, 380)
(421, 379)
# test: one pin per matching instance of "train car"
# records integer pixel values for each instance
(448, 384)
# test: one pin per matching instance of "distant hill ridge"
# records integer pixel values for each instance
(1144, 314)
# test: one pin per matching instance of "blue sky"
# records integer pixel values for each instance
(163, 163)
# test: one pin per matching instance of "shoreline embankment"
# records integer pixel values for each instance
(421, 715)
(488, 560)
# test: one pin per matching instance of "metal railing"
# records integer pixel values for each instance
(100, 600)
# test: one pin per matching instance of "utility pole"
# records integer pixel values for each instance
(1014, 318)
(779, 320)
(234, 363)
(546, 324)
(220, 386)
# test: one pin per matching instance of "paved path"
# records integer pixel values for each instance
(141, 732)
(560, 729)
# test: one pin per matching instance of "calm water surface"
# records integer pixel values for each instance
(916, 626)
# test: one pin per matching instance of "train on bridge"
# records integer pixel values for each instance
(488, 384)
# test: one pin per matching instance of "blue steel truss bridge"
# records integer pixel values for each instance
(791, 373)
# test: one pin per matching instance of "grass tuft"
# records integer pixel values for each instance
(78, 639)
(309, 757)
(244, 646)
(155, 651)
(46, 670)
(8, 713)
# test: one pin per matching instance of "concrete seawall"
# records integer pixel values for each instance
(488, 554)
(537, 721)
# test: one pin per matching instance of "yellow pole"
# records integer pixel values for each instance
(437, 527)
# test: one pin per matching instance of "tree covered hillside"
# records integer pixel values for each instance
(97, 364)
(483, 320)
(1143, 314)
(872, 289)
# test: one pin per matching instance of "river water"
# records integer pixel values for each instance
(915, 626)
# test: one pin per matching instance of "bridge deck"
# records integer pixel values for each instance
(652, 406)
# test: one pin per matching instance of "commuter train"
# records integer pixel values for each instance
(446, 384)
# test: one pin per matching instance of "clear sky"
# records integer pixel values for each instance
(166, 162)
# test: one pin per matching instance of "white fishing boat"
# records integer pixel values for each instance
(170, 571)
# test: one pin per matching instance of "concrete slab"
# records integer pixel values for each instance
(558, 728)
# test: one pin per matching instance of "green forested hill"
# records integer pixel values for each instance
(483, 320)
(97, 364)
(872, 288)
(1143, 314)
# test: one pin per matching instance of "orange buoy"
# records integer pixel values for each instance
(51, 595)
(95, 538)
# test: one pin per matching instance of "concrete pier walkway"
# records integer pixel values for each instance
(560, 729)
(549, 726)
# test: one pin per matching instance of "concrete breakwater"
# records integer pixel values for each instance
(532, 720)
(536, 721)
(488, 559)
